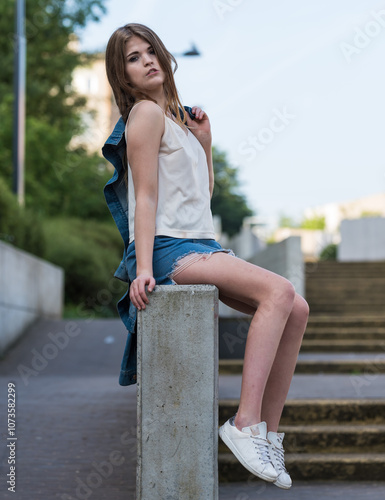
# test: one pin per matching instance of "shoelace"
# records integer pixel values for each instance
(279, 454)
(262, 447)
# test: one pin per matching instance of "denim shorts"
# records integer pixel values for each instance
(168, 251)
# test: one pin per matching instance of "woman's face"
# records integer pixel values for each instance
(142, 67)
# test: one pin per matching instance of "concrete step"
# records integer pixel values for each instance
(330, 439)
(337, 466)
(319, 387)
(341, 281)
(365, 293)
(338, 345)
(323, 320)
(320, 411)
(345, 288)
(304, 490)
(338, 276)
(344, 308)
(337, 333)
(334, 365)
(338, 268)
(343, 333)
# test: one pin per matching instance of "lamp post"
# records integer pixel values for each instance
(19, 103)
(193, 52)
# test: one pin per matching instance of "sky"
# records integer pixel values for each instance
(294, 90)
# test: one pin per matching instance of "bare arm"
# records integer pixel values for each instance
(144, 132)
(201, 128)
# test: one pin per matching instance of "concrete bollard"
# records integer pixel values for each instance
(178, 394)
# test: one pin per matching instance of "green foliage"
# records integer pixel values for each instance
(329, 252)
(70, 185)
(89, 251)
(20, 227)
(316, 222)
(50, 24)
(53, 110)
(287, 221)
(59, 180)
(368, 213)
(227, 201)
(63, 184)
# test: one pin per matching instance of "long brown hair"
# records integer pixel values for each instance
(124, 92)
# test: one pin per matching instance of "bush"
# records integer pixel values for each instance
(89, 251)
(19, 226)
(329, 252)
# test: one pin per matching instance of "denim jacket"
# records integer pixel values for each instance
(115, 193)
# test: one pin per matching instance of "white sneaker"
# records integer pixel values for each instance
(277, 457)
(250, 447)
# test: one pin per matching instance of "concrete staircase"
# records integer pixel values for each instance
(345, 288)
(325, 439)
(329, 438)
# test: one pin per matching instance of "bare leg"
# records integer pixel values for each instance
(272, 299)
(282, 371)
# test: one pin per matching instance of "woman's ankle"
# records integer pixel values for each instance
(241, 421)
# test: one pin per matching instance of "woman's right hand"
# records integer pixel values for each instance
(138, 294)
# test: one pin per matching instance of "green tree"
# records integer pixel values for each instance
(20, 226)
(287, 221)
(227, 201)
(315, 222)
(329, 252)
(53, 170)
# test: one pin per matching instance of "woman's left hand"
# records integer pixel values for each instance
(200, 126)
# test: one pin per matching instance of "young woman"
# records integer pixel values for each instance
(171, 240)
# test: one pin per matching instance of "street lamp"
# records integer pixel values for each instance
(19, 103)
(189, 53)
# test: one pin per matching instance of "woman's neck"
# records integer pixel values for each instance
(160, 98)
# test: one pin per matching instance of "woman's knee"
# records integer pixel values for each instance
(283, 296)
(300, 309)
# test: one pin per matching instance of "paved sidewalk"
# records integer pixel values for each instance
(76, 427)
(303, 490)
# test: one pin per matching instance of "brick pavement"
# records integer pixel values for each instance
(76, 426)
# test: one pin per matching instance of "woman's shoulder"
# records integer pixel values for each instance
(145, 109)
(146, 117)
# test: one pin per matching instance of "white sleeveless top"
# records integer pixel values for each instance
(183, 209)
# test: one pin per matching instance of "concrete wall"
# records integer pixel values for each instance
(29, 288)
(178, 394)
(313, 241)
(245, 244)
(284, 258)
(362, 240)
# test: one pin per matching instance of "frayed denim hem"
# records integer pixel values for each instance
(195, 256)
